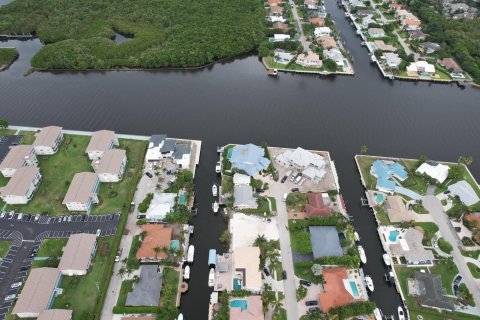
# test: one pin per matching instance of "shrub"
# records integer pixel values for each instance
(301, 293)
(444, 245)
(143, 206)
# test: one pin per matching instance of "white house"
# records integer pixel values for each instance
(239, 179)
(311, 4)
(335, 55)
(100, 142)
(243, 197)
(376, 32)
(82, 192)
(111, 166)
(393, 60)
(48, 140)
(18, 157)
(311, 164)
(161, 204)
(246, 262)
(21, 187)
(434, 170)
(276, 19)
(309, 60)
(78, 254)
(277, 37)
(421, 67)
(322, 31)
(282, 56)
(181, 155)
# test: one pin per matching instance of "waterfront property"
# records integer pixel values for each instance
(78, 254)
(22, 186)
(385, 172)
(319, 205)
(146, 292)
(246, 273)
(249, 158)
(17, 157)
(100, 142)
(160, 147)
(430, 291)
(82, 192)
(243, 197)
(465, 192)
(311, 165)
(434, 170)
(111, 166)
(155, 238)
(161, 204)
(48, 140)
(325, 241)
(338, 289)
(407, 244)
(248, 308)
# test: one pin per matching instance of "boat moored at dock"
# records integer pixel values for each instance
(215, 207)
(386, 259)
(211, 277)
(377, 314)
(369, 283)
(214, 190)
(361, 252)
(190, 253)
(272, 72)
(186, 273)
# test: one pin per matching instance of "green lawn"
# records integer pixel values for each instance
(273, 203)
(263, 208)
(448, 270)
(227, 184)
(81, 294)
(365, 163)
(4, 246)
(52, 248)
(429, 230)
(127, 286)
(296, 201)
(28, 137)
(472, 254)
(168, 295)
(474, 270)
(6, 131)
(414, 182)
(382, 216)
(444, 245)
(304, 272)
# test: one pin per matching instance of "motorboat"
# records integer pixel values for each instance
(214, 190)
(211, 277)
(356, 236)
(180, 317)
(401, 313)
(272, 72)
(369, 283)
(186, 273)
(215, 207)
(190, 253)
(390, 277)
(191, 229)
(386, 259)
(361, 252)
(377, 314)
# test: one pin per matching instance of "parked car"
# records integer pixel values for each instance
(65, 219)
(10, 215)
(284, 179)
(292, 177)
(267, 273)
(10, 297)
(311, 303)
(285, 195)
(117, 258)
(36, 218)
(305, 283)
(24, 268)
(20, 216)
(3, 214)
(69, 218)
(148, 174)
(15, 285)
(298, 178)
(99, 232)
(284, 275)
(295, 190)
(301, 181)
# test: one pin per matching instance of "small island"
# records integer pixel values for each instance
(7, 57)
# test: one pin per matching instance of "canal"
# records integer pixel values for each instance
(236, 102)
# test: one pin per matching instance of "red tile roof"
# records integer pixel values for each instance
(270, 2)
(317, 21)
(316, 206)
(335, 294)
(449, 63)
(157, 236)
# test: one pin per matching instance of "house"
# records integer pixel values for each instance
(429, 289)
(146, 292)
(434, 170)
(465, 192)
(365, 12)
(249, 158)
(159, 147)
(403, 14)
(21, 187)
(325, 241)
(276, 10)
(100, 142)
(18, 157)
(311, 164)
(366, 21)
(246, 273)
(396, 6)
(309, 60)
(157, 236)
(278, 37)
(411, 24)
(38, 292)
(416, 35)
(396, 209)
(239, 179)
(276, 19)
(451, 65)
(335, 291)
(458, 7)
(181, 155)
(336, 55)
(82, 192)
(322, 31)
(421, 68)
(253, 310)
(274, 2)
(160, 206)
(430, 47)
(243, 197)
(356, 4)
(282, 56)
(411, 248)
(317, 21)
(311, 4)
(280, 26)
(78, 254)
(327, 42)
(382, 46)
(393, 60)
(376, 32)
(48, 140)
(386, 171)
(318, 205)
(55, 314)
(111, 166)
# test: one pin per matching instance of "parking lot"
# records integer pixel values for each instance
(6, 142)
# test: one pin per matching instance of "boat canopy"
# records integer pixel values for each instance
(212, 257)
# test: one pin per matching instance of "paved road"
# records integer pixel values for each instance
(303, 39)
(434, 206)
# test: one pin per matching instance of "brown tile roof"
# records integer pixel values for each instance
(274, 2)
(81, 187)
(110, 162)
(55, 314)
(318, 21)
(280, 25)
(47, 136)
(396, 6)
(157, 236)
(335, 294)
(276, 9)
(37, 291)
(327, 42)
(316, 206)
(20, 182)
(412, 22)
(101, 140)
(473, 217)
(16, 156)
(449, 63)
(77, 252)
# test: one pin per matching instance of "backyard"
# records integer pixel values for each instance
(168, 295)
(365, 163)
(263, 208)
(296, 201)
(28, 137)
(52, 248)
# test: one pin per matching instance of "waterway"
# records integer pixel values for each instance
(236, 102)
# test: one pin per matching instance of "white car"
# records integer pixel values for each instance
(218, 167)
(99, 232)
(117, 258)
(15, 285)
(10, 297)
(3, 214)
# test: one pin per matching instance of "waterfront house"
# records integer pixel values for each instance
(278, 37)
(336, 291)
(356, 4)
(451, 65)
(100, 142)
(422, 68)
(246, 273)
(322, 31)
(376, 32)
(395, 6)
(309, 60)
(416, 35)
(82, 192)
(320, 22)
(283, 57)
(280, 26)
(318, 205)
(366, 21)
(55, 314)
(161, 204)
(181, 155)
(252, 310)
(146, 291)
(156, 236)
(311, 4)
(465, 192)
(38, 293)
(325, 241)
(111, 166)
(21, 187)
(411, 24)
(78, 254)
(393, 60)
(403, 14)
(243, 197)
(429, 289)
(311, 165)
(430, 47)
(239, 179)
(365, 12)
(18, 157)
(48, 140)
(327, 42)
(396, 209)
(410, 247)
(382, 46)
(249, 158)
(160, 147)
(276, 10)
(434, 170)
(386, 171)
(336, 55)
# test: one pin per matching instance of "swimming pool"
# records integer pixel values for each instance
(175, 244)
(353, 285)
(182, 199)
(242, 304)
(379, 198)
(393, 235)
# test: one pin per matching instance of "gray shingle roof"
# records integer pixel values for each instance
(432, 293)
(169, 145)
(156, 139)
(325, 241)
(180, 150)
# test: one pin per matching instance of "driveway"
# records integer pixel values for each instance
(303, 39)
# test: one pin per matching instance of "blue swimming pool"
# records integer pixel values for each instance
(393, 235)
(379, 198)
(182, 199)
(354, 288)
(239, 304)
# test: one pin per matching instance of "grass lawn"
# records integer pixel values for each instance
(6, 131)
(448, 270)
(227, 184)
(419, 208)
(81, 294)
(365, 163)
(52, 248)
(444, 245)
(414, 182)
(382, 216)
(472, 254)
(429, 230)
(304, 271)
(474, 270)
(273, 203)
(28, 136)
(263, 207)
(296, 201)
(280, 314)
(168, 295)
(127, 286)
(4, 246)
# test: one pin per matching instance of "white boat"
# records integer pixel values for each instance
(369, 283)
(356, 236)
(211, 277)
(190, 229)
(186, 273)
(214, 190)
(180, 317)
(386, 259)
(401, 313)
(215, 207)
(377, 314)
(361, 252)
(390, 277)
(190, 253)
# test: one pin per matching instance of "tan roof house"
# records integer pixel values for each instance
(309, 60)
(382, 46)
(320, 22)
(276, 10)
(38, 292)
(21, 187)
(78, 254)
(327, 42)
(55, 314)
(396, 209)
(82, 192)
(100, 142)
(17, 157)
(111, 166)
(157, 236)
(311, 4)
(280, 26)
(411, 24)
(246, 261)
(254, 310)
(48, 140)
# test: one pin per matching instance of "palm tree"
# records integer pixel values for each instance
(363, 149)
(466, 160)
(172, 253)
(121, 272)
(157, 250)
(143, 234)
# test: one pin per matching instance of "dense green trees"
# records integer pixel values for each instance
(181, 33)
(7, 56)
